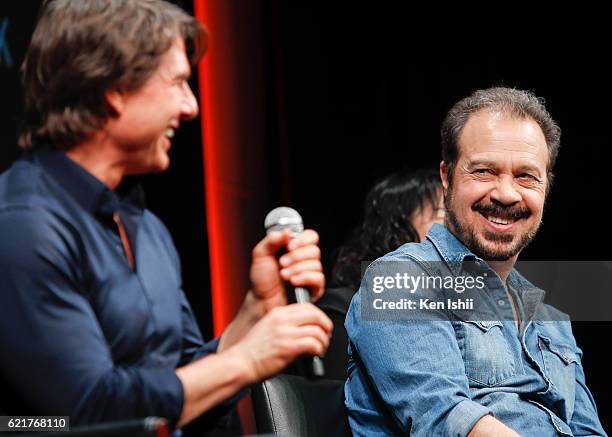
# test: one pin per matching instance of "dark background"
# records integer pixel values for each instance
(356, 90)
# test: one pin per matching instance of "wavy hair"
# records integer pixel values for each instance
(386, 223)
(82, 49)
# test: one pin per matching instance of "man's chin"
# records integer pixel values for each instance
(497, 247)
(488, 244)
(161, 163)
(163, 166)
(496, 254)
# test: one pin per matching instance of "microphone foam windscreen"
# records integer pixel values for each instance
(282, 218)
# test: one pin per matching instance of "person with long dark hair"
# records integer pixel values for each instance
(399, 209)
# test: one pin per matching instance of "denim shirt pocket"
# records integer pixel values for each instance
(486, 353)
(560, 361)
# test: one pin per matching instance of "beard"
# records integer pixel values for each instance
(491, 246)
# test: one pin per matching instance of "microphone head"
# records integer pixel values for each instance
(282, 218)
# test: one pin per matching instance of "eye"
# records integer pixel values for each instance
(183, 86)
(481, 171)
(527, 177)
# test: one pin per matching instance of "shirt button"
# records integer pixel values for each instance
(501, 302)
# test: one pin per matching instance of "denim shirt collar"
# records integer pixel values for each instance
(451, 249)
(455, 253)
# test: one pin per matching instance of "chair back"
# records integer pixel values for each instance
(289, 405)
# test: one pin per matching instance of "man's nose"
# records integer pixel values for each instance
(189, 109)
(505, 191)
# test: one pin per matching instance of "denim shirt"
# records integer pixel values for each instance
(441, 375)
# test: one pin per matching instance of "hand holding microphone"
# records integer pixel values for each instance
(300, 265)
(267, 334)
(282, 219)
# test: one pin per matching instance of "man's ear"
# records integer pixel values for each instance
(116, 101)
(444, 175)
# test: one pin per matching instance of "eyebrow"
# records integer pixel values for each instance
(184, 75)
(491, 164)
(481, 162)
(528, 168)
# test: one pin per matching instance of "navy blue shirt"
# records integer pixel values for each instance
(81, 333)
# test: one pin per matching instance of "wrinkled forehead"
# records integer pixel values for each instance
(499, 137)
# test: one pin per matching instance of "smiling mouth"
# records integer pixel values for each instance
(499, 220)
(169, 132)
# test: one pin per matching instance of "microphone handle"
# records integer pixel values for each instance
(311, 367)
(316, 367)
(302, 295)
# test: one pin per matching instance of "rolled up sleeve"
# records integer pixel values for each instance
(462, 418)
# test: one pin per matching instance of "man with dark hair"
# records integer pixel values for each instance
(93, 320)
(485, 359)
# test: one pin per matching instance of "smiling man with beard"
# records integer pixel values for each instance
(513, 366)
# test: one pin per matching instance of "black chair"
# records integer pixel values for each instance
(289, 405)
(335, 303)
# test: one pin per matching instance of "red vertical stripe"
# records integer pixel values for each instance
(219, 148)
(234, 155)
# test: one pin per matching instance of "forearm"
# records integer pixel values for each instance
(488, 426)
(283, 334)
(251, 311)
(209, 381)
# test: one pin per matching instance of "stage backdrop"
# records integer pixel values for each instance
(308, 103)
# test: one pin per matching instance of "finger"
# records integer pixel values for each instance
(303, 253)
(272, 243)
(316, 332)
(298, 314)
(316, 291)
(312, 265)
(309, 346)
(295, 332)
(314, 281)
(311, 315)
(304, 239)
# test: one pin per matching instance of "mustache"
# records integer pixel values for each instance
(498, 210)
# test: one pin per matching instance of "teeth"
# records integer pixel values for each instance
(169, 132)
(498, 220)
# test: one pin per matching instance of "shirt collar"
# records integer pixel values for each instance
(455, 253)
(452, 250)
(88, 191)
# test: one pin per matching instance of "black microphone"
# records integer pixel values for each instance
(279, 219)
